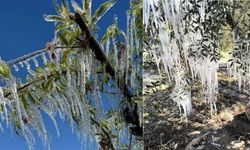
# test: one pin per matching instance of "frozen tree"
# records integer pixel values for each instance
(184, 38)
(73, 76)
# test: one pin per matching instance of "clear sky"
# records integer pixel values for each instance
(23, 30)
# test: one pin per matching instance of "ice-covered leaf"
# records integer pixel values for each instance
(63, 38)
(24, 102)
(76, 7)
(104, 124)
(102, 10)
(54, 18)
(32, 98)
(64, 8)
(4, 70)
(92, 110)
(86, 5)
(111, 30)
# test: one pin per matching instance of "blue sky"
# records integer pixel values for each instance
(23, 30)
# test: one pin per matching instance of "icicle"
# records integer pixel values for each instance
(127, 48)
(1, 127)
(5, 112)
(44, 58)
(25, 132)
(107, 44)
(68, 75)
(131, 34)
(50, 114)
(35, 62)
(146, 12)
(133, 78)
(58, 67)
(168, 50)
(16, 67)
(45, 74)
(37, 123)
(13, 88)
(115, 54)
(27, 64)
(83, 72)
(239, 81)
(21, 64)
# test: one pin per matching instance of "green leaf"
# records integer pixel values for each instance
(111, 113)
(24, 102)
(32, 98)
(86, 6)
(64, 8)
(4, 70)
(48, 85)
(114, 136)
(102, 10)
(104, 124)
(64, 4)
(76, 7)
(54, 18)
(65, 55)
(110, 31)
(63, 38)
(60, 27)
(87, 10)
(92, 110)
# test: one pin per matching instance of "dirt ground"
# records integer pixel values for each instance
(166, 129)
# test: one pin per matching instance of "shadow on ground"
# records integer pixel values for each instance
(165, 129)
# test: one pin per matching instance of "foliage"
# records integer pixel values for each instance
(4, 70)
(71, 80)
(189, 35)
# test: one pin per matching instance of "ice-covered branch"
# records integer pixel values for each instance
(25, 57)
(42, 78)
(35, 53)
(31, 83)
(99, 54)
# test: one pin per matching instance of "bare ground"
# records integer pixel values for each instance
(166, 129)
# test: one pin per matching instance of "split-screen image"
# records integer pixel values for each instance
(125, 75)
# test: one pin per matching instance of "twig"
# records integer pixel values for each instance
(25, 57)
(100, 55)
(35, 53)
(104, 131)
(196, 141)
(25, 86)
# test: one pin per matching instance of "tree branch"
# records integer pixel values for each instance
(25, 86)
(22, 88)
(25, 57)
(100, 55)
(35, 53)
